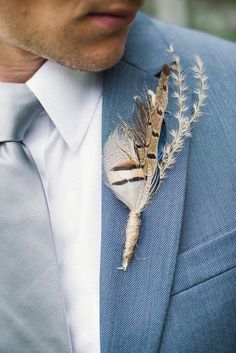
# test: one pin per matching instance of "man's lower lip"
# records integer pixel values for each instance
(111, 21)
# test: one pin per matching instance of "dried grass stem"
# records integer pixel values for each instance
(184, 122)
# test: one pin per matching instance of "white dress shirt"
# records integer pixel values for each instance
(65, 141)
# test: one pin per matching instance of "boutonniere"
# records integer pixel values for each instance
(137, 155)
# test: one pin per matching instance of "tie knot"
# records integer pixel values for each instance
(18, 107)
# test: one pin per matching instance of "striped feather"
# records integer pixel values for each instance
(131, 152)
(131, 159)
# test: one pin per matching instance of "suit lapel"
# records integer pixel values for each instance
(134, 303)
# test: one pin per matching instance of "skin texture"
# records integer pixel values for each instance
(32, 31)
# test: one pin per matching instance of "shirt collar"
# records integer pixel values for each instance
(69, 97)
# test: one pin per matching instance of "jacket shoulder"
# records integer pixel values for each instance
(149, 39)
(215, 52)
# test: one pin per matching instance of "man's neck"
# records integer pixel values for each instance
(17, 65)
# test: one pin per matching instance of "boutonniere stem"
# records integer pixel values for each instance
(137, 155)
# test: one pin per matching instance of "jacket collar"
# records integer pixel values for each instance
(146, 47)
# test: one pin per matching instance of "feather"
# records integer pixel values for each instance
(131, 158)
(136, 156)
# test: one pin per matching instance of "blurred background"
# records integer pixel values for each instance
(214, 16)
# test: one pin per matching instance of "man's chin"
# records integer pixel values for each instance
(91, 63)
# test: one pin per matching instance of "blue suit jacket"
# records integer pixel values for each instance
(179, 294)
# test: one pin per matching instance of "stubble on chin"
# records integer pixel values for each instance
(88, 62)
(88, 59)
(74, 57)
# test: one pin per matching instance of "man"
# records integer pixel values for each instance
(60, 288)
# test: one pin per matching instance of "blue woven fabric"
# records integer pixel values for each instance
(179, 293)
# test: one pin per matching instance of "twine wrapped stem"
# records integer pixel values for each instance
(131, 238)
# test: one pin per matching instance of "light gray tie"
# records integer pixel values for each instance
(23, 206)
(32, 317)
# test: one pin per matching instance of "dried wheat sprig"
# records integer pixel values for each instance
(180, 94)
(184, 122)
(200, 74)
